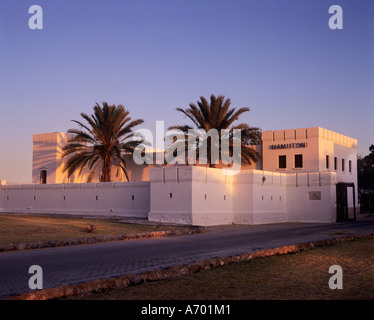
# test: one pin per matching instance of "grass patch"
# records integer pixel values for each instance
(28, 228)
(299, 276)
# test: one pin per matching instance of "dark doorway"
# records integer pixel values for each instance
(43, 177)
(342, 212)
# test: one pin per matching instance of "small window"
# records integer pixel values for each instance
(343, 164)
(282, 162)
(335, 163)
(327, 162)
(43, 177)
(298, 161)
(350, 166)
(170, 195)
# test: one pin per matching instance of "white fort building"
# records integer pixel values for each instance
(304, 175)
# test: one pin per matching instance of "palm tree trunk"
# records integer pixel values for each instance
(106, 170)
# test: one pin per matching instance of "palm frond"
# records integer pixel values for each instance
(218, 114)
(100, 141)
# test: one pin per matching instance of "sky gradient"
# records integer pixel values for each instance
(277, 57)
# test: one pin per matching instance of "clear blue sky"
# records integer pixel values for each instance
(277, 57)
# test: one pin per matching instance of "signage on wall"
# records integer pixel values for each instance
(288, 146)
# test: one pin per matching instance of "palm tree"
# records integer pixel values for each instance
(101, 141)
(217, 115)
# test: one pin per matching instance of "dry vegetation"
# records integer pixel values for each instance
(27, 228)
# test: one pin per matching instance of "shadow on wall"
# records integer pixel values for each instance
(48, 165)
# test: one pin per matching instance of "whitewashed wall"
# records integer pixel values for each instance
(320, 143)
(171, 198)
(259, 197)
(211, 189)
(311, 197)
(262, 197)
(188, 195)
(204, 196)
(108, 199)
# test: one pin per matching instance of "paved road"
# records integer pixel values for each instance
(71, 265)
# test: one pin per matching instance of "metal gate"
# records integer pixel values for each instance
(342, 213)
